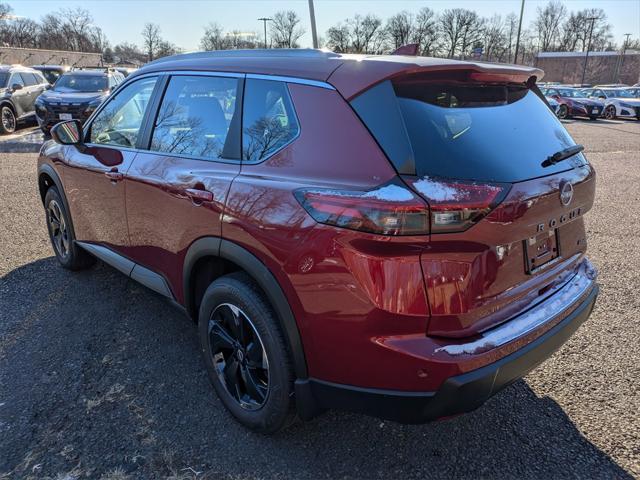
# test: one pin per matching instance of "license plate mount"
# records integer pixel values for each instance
(540, 250)
(65, 116)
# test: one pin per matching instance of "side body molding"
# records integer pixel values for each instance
(212, 246)
(143, 275)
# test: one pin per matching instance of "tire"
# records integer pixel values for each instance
(260, 399)
(61, 235)
(563, 112)
(610, 112)
(8, 122)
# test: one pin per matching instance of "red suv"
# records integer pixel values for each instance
(399, 236)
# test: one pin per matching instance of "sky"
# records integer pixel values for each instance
(182, 22)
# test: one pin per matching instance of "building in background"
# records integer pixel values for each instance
(602, 67)
(35, 56)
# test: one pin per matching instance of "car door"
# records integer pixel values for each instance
(176, 191)
(94, 174)
(19, 97)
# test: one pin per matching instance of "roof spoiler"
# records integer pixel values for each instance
(410, 49)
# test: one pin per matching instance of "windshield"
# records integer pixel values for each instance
(81, 83)
(568, 92)
(620, 92)
(4, 78)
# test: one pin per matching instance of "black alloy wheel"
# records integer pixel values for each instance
(246, 354)
(610, 112)
(7, 120)
(58, 229)
(239, 356)
(563, 112)
(61, 234)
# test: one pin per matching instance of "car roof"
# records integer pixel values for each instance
(52, 67)
(90, 72)
(15, 68)
(348, 73)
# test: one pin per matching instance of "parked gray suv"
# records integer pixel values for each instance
(19, 88)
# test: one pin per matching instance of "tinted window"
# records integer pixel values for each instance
(119, 122)
(81, 83)
(268, 120)
(476, 132)
(29, 78)
(51, 75)
(40, 78)
(195, 116)
(16, 79)
(489, 133)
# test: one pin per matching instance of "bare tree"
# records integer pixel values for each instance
(214, 38)
(339, 38)
(366, 34)
(575, 31)
(151, 39)
(400, 28)
(547, 24)
(129, 52)
(22, 32)
(286, 29)
(426, 32)
(461, 30)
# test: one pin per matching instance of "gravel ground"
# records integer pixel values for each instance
(100, 377)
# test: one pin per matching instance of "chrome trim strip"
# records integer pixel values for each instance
(206, 73)
(545, 311)
(114, 259)
(301, 81)
(151, 280)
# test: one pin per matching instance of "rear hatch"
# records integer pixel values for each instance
(479, 150)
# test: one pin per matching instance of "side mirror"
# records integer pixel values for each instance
(16, 86)
(67, 133)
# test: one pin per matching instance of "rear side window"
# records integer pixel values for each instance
(493, 133)
(269, 121)
(40, 78)
(195, 117)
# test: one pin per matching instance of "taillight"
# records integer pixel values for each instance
(391, 209)
(456, 205)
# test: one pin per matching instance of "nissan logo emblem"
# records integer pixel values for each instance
(566, 193)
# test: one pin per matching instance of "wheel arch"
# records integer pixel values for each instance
(212, 249)
(9, 103)
(47, 178)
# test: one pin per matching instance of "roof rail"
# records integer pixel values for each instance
(254, 52)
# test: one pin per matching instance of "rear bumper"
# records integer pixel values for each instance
(458, 394)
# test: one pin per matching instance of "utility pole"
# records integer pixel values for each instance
(265, 20)
(586, 58)
(515, 57)
(624, 52)
(314, 33)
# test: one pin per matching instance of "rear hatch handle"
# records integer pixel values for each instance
(562, 155)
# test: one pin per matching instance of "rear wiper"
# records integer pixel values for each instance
(562, 155)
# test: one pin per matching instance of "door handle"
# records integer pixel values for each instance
(114, 175)
(199, 195)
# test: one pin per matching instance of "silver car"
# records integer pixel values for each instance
(618, 102)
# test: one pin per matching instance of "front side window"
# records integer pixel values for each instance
(16, 79)
(269, 121)
(119, 122)
(195, 116)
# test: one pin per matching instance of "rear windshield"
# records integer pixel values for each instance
(498, 133)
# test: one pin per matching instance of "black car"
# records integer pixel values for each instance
(19, 88)
(75, 95)
(52, 72)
